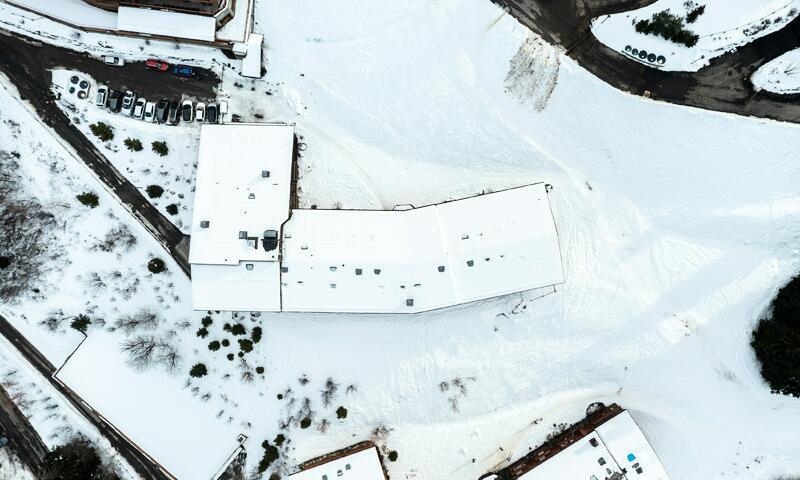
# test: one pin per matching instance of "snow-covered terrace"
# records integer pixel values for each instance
(361, 261)
(617, 447)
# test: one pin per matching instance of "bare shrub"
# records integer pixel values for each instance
(27, 251)
(119, 237)
(144, 319)
(329, 392)
(145, 351)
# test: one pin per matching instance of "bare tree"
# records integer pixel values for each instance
(246, 374)
(94, 282)
(145, 351)
(329, 392)
(143, 319)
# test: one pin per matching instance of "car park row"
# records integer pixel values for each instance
(161, 111)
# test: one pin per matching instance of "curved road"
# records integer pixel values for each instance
(724, 85)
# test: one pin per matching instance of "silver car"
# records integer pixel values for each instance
(127, 103)
(101, 97)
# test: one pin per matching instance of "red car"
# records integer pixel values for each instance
(157, 65)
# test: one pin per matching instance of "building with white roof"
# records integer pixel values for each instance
(243, 183)
(250, 253)
(359, 462)
(615, 449)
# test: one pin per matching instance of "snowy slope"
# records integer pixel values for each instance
(781, 75)
(676, 226)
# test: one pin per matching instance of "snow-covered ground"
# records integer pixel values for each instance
(11, 468)
(781, 75)
(721, 27)
(173, 172)
(677, 226)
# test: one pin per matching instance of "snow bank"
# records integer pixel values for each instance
(721, 27)
(781, 75)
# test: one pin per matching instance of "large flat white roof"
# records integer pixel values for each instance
(420, 259)
(621, 446)
(361, 465)
(168, 24)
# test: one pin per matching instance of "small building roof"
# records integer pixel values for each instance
(360, 465)
(166, 23)
(616, 449)
(251, 63)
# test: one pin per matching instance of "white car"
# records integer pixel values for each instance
(127, 103)
(187, 111)
(138, 107)
(223, 110)
(114, 61)
(200, 112)
(150, 112)
(101, 97)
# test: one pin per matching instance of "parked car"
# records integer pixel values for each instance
(223, 110)
(211, 113)
(114, 61)
(127, 103)
(138, 107)
(150, 112)
(200, 112)
(153, 64)
(174, 113)
(187, 111)
(183, 71)
(162, 111)
(101, 97)
(115, 101)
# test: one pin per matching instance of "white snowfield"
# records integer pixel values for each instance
(362, 465)
(617, 447)
(781, 75)
(723, 26)
(677, 227)
(405, 261)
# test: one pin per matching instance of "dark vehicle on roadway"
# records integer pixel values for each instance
(162, 111)
(115, 101)
(187, 111)
(153, 64)
(183, 71)
(211, 113)
(174, 113)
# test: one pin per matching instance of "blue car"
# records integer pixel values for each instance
(183, 71)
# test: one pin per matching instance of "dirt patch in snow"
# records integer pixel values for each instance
(533, 73)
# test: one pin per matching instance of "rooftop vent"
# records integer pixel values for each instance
(270, 241)
(264, 173)
(204, 223)
(470, 263)
(249, 266)
(284, 269)
(377, 271)
(409, 302)
(251, 196)
(359, 271)
(464, 236)
(333, 269)
(441, 268)
(242, 234)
